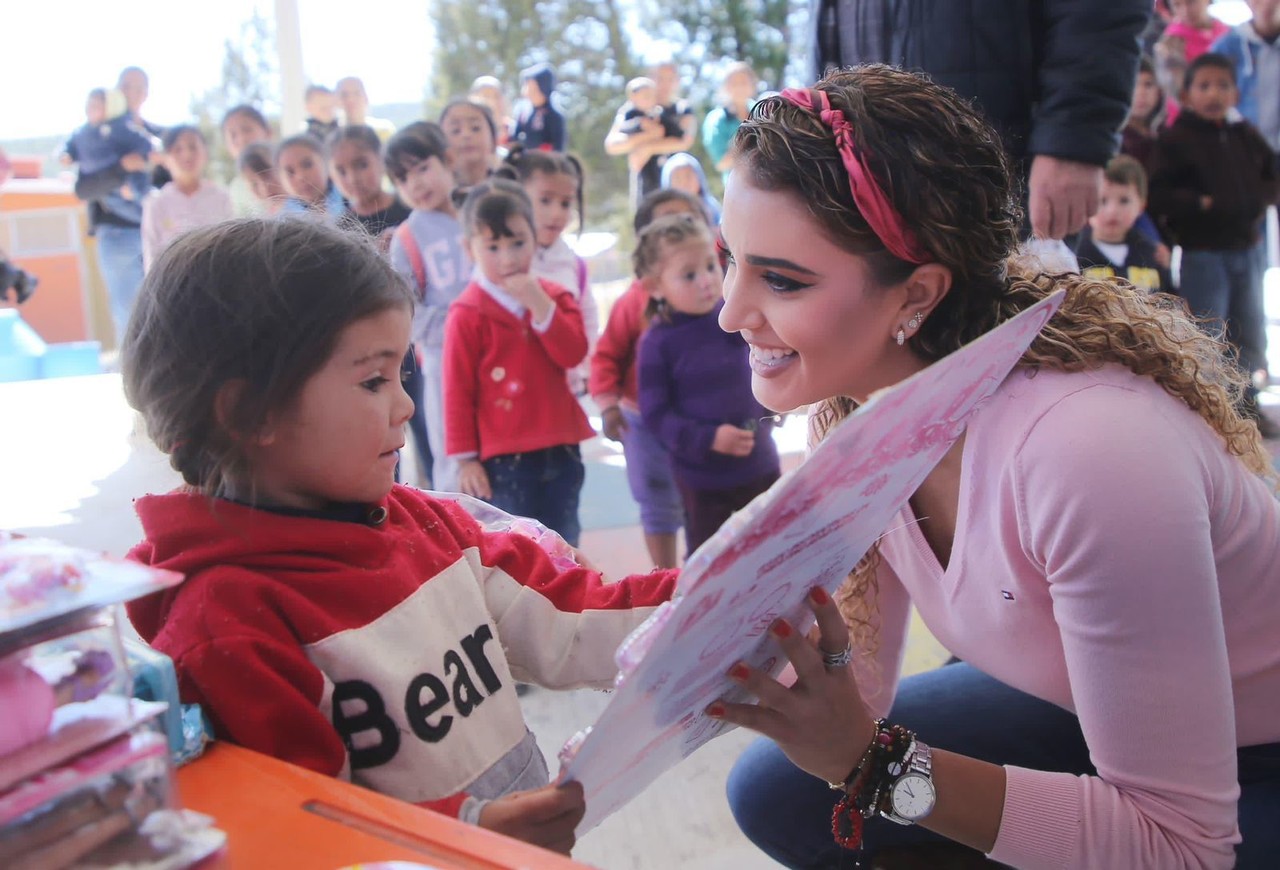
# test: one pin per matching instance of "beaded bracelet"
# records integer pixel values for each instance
(865, 786)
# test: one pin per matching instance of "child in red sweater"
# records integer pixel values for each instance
(613, 386)
(329, 617)
(510, 418)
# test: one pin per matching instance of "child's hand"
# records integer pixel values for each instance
(732, 441)
(473, 480)
(127, 192)
(544, 817)
(615, 425)
(1164, 257)
(526, 290)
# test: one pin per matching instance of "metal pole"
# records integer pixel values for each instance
(293, 78)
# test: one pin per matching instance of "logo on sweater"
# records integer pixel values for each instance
(372, 737)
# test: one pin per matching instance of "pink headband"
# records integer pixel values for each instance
(879, 213)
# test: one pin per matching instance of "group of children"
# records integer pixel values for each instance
(1198, 174)
(272, 358)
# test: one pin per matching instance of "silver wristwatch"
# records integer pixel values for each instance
(911, 794)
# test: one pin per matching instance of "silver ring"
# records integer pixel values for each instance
(841, 659)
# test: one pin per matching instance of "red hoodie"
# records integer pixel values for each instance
(383, 652)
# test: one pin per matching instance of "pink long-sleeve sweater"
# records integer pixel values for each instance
(1113, 558)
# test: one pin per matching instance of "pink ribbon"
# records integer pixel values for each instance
(876, 209)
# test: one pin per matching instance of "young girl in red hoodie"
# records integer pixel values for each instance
(510, 419)
(330, 617)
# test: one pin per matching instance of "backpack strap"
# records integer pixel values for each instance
(404, 236)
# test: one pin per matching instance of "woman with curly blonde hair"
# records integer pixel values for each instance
(1101, 547)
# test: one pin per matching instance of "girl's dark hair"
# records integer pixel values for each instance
(419, 141)
(301, 140)
(463, 102)
(523, 163)
(250, 112)
(491, 205)
(359, 134)
(173, 134)
(648, 205)
(1155, 119)
(256, 158)
(252, 305)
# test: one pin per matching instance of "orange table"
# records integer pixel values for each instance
(278, 815)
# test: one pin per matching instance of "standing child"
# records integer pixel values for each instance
(1146, 114)
(695, 380)
(428, 249)
(242, 126)
(329, 617)
(1112, 245)
(614, 389)
(473, 140)
(108, 135)
(1189, 34)
(487, 91)
(258, 169)
(302, 170)
(355, 153)
(188, 201)
(553, 182)
(510, 419)
(1254, 47)
(540, 126)
(682, 171)
(322, 112)
(1212, 180)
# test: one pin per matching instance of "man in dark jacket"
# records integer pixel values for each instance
(1054, 77)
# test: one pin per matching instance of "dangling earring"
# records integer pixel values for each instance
(901, 337)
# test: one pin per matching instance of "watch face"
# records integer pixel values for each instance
(913, 796)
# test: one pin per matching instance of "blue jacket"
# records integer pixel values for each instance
(1257, 72)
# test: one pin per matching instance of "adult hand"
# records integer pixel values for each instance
(545, 817)
(821, 721)
(615, 425)
(732, 441)
(473, 480)
(133, 163)
(1064, 194)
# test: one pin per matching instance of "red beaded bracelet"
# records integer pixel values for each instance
(865, 785)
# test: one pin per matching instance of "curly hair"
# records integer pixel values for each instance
(945, 172)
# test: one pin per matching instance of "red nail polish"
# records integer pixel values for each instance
(819, 595)
(781, 628)
(716, 711)
(740, 672)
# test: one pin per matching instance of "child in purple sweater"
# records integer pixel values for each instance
(695, 380)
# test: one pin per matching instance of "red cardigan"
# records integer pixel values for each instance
(614, 371)
(504, 382)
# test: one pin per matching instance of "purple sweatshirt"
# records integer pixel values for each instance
(694, 376)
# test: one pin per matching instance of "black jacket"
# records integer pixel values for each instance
(1053, 77)
(1139, 268)
(1230, 163)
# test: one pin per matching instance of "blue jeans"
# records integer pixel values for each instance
(787, 813)
(542, 484)
(120, 260)
(1226, 286)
